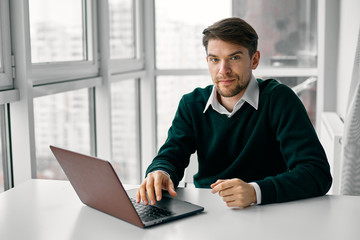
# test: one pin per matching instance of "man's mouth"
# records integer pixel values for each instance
(225, 81)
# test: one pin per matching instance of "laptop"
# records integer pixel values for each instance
(98, 186)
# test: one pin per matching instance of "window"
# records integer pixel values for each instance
(61, 120)
(122, 26)
(287, 30)
(1, 42)
(6, 81)
(57, 32)
(179, 27)
(169, 91)
(1, 64)
(62, 40)
(126, 35)
(125, 132)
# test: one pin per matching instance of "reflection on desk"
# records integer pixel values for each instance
(46, 209)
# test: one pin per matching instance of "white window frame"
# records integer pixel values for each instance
(45, 73)
(6, 79)
(5, 151)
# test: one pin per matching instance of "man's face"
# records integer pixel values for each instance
(230, 67)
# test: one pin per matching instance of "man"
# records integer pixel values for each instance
(254, 140)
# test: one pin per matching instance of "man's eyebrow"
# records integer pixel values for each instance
(232, 54)
(211, 55)
(237, 52)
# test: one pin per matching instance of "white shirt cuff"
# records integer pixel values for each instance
(257, 191)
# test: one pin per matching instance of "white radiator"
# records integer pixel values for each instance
(331, 131)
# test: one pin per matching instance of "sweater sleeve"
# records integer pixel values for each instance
(174, 156)
(308, 171)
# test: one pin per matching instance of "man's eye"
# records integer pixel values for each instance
(214, 60)
(235, 58)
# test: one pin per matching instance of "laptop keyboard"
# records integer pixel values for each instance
(148, 213)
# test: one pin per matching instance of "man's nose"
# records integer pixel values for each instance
(224, 68)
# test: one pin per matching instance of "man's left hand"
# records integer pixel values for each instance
(235, 192)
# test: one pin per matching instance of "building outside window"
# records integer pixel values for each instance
(56, 30)
(61, 120)
(125, 133)
(122, 29)
(179, 31)
(287, 31)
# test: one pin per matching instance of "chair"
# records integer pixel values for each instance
(350, 182)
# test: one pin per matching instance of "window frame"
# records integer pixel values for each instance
(6, 77)
(5, 147)
(45, 73)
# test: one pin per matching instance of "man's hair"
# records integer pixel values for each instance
(234, 30)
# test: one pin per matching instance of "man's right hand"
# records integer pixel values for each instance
(152, 186)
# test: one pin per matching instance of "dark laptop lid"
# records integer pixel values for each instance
(98, 186)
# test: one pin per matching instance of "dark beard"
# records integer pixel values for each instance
(232, 93)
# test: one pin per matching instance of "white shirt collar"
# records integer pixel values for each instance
(251, 96)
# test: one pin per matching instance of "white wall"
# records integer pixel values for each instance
(349, 29)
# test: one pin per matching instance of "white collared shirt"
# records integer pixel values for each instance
(251, 96)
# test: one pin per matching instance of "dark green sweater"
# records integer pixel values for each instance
(275, 146)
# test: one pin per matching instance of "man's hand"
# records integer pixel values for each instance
(235, 192)
(152, 185)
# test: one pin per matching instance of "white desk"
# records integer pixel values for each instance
(50, 210)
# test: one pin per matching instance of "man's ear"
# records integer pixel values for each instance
(255, 60)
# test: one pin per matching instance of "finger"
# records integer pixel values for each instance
(216, 183)
(229, 198)
(232, 201)
(224, 184)
(226, 192)
(142, 191)
(158, 187)
(150, 189)
(171, 189)
(138, 195)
